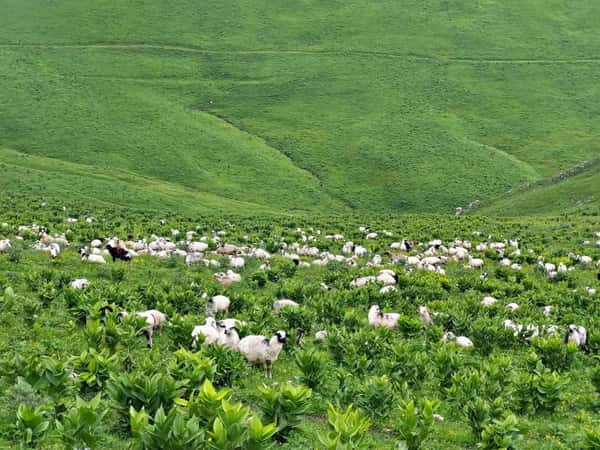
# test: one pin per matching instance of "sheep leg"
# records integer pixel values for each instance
(269, 365)
(148, 338)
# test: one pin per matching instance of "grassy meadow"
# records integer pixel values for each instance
(386, 107)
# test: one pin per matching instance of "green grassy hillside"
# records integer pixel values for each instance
(306, 105)
(569, 195)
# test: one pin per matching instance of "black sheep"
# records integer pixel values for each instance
(118, 253)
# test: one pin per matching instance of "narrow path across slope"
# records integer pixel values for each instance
(366, 53)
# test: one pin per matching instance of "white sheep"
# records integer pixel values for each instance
(475, 263)
(488, 301)
(461, 341)
(425, 316)
(93, 258)
(229, 339)
(154, 320)
(321, 335)
(54, 250)
(278, 305)
(209, 330)
(4, 245)
(362, 281)
(547, 310)
(227, 278)
(193, 258)
(379, 319)
(512, 306)
(230, 323)
(387, 289)
(577, 335)
(258, 349)
(217, 304)
(80, 283)
(96, 243)
(237, 262)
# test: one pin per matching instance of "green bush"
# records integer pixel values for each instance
(347, 430)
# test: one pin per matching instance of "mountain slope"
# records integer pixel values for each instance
(394, 106)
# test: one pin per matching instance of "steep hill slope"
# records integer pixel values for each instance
(310, 105)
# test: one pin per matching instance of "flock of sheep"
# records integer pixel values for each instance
(403, 255)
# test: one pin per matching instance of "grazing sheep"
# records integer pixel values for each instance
(217, 304)
(237, 262)
(475, 263)
(461, 341)
(154, 320)
(96, 243)
(488, 301)
(80, 283)
(260, 350)
(193, 258)
(228, 249)
(379, 319)
(577, 335)
(362, 281)
(387, 289)
(209, 330)
(227, 278)
(118, 252)
(512, 306)
(387, 277)
(278, 305)
(425, 316)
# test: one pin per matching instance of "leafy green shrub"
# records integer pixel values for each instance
(166, 431)
(540, 391)
(347, 429)
(80, 426)
(415, 423)
(231, 367)
(191, 369)
(376, 397)
(501, 434)
(206, 403)
(314, 368)
(139, 390)
(21, 393)
(32, 425)
(554, 353)
(94, 368)
(591, 440)
(284, 405)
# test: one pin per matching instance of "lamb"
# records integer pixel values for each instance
(577, 335)
(217, 304)
(228, 249)
(118, 252)
(258, 349)
(461, 341)
(278, 305)
(387, 277)
(362, 281)
(209, 330)
(229, 339)
(85, 256)
(424, 315)
(54, 250)
(379, 319)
